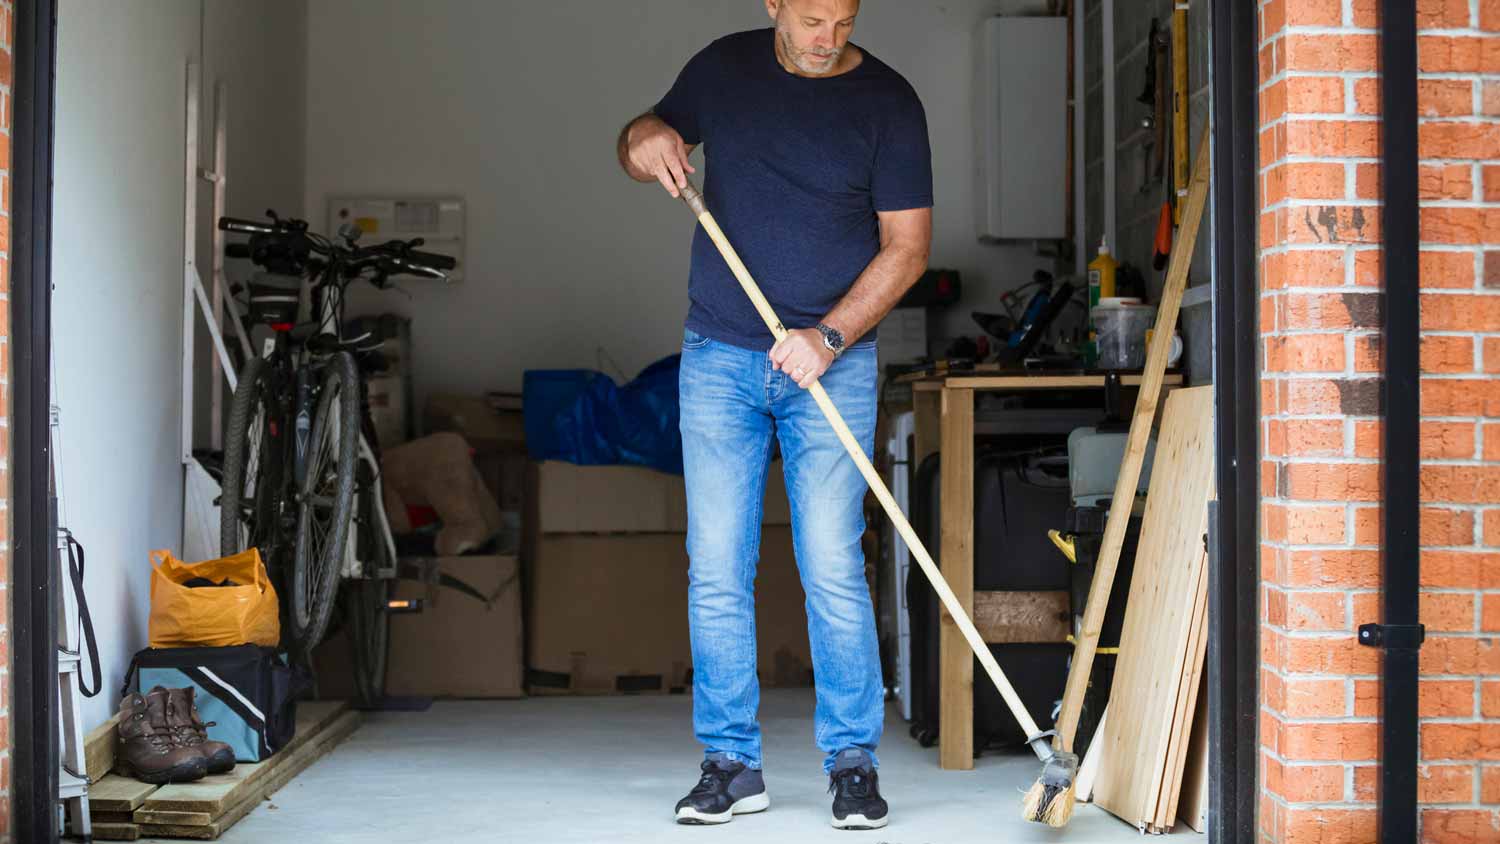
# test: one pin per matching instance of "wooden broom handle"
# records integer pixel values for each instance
(1135, 452)
(694, 199)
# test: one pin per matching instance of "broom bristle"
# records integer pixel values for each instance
(1060, 809)
(1048, 804)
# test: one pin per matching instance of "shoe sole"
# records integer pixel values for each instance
(186, 772)
(221, 764)
(860, 822)
(746, 806)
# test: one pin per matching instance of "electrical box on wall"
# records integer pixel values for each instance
(438, 220)
(1020, 128)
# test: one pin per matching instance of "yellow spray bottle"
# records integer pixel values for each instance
(1101, 286)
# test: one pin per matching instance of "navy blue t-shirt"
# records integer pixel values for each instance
(796, 169)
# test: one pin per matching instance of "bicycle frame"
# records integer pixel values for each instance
(353, 567)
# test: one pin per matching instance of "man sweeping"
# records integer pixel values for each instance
(818, 167)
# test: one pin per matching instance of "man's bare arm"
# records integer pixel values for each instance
(905, 243)
(650, 150)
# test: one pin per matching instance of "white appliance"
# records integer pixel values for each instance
(1020, 128)
(899, 449)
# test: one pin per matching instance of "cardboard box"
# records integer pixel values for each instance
(608, 614)
(387, 400)
(456, 647)
(566, 498)
(487, 430)
(504, 475)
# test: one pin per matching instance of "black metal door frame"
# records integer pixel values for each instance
(1234, 561)
(34, 749)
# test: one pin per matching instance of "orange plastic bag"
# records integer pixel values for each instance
(212, 616)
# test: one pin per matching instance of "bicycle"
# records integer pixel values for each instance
(299, 466)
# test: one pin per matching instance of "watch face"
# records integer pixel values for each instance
(831, 338)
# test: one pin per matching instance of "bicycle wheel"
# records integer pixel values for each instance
(250, 503)
(365, 599)
(325, 504)
(369, 636)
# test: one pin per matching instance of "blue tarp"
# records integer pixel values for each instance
(584, 417)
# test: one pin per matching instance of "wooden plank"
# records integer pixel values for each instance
(1088, 772)
(1187, 701)
(115, 793)
(214, 794)
(1009, 617)
(1160, 631)
(927, 427)
(293, 764)
(1141, 423)
(956, 661)
(163, 816)
(109, 831)
(110, 817)
(1193, 810)
(99, 749)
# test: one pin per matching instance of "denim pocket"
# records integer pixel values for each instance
(692, 339)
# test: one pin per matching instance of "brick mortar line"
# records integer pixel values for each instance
(1319, 117)
(1286, 676)
(1339, 201)
(1299, 158)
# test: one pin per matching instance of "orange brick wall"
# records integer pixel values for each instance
(1320, 323)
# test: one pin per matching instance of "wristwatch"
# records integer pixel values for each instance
(833, 339)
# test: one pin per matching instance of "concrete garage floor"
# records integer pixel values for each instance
(562, 770)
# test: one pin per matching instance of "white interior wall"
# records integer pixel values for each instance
(516, 106)
(117, 263)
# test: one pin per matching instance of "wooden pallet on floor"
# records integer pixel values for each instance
(288, 766)
(124, 809)
(111, 831)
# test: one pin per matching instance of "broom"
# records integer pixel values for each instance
(1059, 765)
(1050, 799)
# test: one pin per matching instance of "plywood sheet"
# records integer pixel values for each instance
(1163, 616)
(1193, 810)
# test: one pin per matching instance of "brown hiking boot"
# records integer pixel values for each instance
(191, 730)
(146, 747)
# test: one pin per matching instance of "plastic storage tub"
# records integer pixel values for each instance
(1120, 328)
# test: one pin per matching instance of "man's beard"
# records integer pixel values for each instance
(806, 61)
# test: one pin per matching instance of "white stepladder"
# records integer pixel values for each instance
(72, 775)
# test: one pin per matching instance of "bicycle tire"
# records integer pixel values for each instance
(366, 598)
(369, 636)
(248, 408)
(327, 488)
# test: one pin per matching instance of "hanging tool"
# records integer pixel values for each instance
(1161, 247)
(1180, 105)
(1058, 762)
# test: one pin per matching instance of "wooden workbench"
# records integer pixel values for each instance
(943, 417)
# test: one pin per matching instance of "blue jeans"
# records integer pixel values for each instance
(733, 403)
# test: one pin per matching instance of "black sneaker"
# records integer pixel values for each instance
(855, 787)
(727, 788)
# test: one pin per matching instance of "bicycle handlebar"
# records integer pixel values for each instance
(235, 224)
(390, 258)
(432, 260)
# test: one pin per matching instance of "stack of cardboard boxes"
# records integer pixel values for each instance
(606, 572)
(601, 581)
